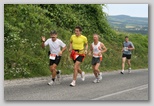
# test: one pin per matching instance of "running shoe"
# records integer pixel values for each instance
(129, 70)
(72, 84)
(122, 72)
(51, 82)
(96, 80)
(100, 76)
(83, 76)
(58, 74)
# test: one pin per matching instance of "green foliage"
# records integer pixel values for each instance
(24, 24)
(89, 16)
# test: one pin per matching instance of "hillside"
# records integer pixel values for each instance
(24, 24)
(129, 24)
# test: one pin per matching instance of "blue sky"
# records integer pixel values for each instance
(134, 10)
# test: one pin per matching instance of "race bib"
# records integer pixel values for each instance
(125, 48)
(52, 56)
(76, 56)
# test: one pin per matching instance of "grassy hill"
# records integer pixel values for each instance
(129, 24)
(24, 24)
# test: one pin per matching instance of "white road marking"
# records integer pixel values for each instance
(144, 87)
(127, 90)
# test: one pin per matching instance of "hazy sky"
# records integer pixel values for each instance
(135, 10)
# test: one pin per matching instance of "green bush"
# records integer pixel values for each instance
(24, 24)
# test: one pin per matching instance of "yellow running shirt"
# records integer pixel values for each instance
(78, 42)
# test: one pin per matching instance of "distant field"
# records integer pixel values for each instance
(116, 23)
(129, 24)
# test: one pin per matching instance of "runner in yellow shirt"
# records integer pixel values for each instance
(78, 49)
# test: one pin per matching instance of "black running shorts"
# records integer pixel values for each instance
(128, 56)
(95, 60)
(79, 58)
(56, 61)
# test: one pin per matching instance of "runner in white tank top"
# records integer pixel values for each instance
(97, 48)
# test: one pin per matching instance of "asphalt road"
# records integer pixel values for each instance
(114, 86)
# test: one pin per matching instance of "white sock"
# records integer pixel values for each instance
(73, 81)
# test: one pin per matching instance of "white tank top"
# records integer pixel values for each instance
(96, 49)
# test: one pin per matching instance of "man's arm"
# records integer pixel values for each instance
(43, 44)
(71, 41)
(63, 49)
(61, 52)
(104, 48)
(91, 50)
(70, 49)
(86, 48)
(86, 45)
(43, 40)
(132, 47)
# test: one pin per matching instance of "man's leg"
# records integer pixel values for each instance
(97, 68)
(98, 71)
(53, 72)
(76, 67)
(94, 71)
(79, 70)
(129, 65)
(123, 64)
(82, 73)
(128, 62)
(80, 59)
